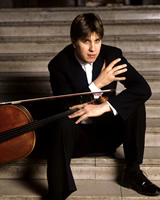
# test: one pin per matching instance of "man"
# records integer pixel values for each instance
(88, 65)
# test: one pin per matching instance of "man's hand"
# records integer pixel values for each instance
(107, 74)
(89, 110)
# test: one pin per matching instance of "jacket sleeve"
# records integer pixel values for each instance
(136, 90)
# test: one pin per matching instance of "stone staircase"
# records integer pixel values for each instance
(29, 38)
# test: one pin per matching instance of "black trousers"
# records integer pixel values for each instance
(105, 134)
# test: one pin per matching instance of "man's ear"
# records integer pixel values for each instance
(73, 42)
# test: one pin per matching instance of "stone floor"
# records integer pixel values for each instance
(87, 190)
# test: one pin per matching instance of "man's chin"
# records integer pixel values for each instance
(91, 60)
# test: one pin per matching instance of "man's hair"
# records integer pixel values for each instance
(85, 24)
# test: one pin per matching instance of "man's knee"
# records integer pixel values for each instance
(67, 128)
(65, 124)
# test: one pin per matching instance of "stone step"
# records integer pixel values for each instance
(144, 61)
(152, 137)
(37, 83)
(25, 63)
(151, 76)
(63, 29)
(103, 168)
(135, 46)
(127, 13)
(86, 168)
(58, 38)
(153, 109)
(86, 190)
(38, 62)
(106, 190)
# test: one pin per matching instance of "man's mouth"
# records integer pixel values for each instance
(92, 55)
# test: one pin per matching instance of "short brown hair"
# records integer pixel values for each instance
(85, 24)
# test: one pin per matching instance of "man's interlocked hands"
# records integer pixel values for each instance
(107, 75)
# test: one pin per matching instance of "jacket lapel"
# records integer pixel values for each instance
(78, 74)
(97, 65)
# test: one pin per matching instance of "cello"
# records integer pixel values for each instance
(17, 126)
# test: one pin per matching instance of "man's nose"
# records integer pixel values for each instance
(92, 46)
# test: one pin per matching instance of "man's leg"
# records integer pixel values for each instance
(69, 139)
(134, 138)
(133, 142)
(108, 133)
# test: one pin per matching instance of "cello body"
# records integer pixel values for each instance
(12, 116)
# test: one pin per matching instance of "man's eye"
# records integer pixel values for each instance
(85, 41)
(98, 40)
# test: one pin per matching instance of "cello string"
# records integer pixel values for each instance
(19, 130)
(31, 126)
(25, 128)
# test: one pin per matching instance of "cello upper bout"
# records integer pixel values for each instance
(12, 116)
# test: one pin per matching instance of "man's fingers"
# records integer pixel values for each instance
(79, 106)
(76, 114)
(104, 65)
(120, 78)
(81, 114)
(81, 118)
(114, 62)
(120, 69)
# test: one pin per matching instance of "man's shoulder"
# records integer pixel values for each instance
(109, 48)
(110, 52)
(63, 55)
(67, 50)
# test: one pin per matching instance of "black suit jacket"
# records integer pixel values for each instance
(67, 76)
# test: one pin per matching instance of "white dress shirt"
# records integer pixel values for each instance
(88, 67)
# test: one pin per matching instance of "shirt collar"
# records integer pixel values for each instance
(82, 63)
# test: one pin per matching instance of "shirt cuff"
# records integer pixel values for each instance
(94, 88)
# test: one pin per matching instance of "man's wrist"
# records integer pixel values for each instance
(93, 87)
(98, 85)
(106, 107)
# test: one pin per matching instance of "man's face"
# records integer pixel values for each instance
(87, 49)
